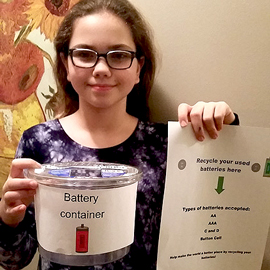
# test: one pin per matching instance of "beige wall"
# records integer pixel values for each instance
(212, 50)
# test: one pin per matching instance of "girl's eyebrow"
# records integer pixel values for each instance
(113, 47)
(81, 46)
(121, 46)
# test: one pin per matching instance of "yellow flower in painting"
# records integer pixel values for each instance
(48, 14)
(14, 119)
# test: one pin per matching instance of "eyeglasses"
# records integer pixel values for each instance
(86, 58)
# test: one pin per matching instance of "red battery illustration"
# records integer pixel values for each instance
(82, 234)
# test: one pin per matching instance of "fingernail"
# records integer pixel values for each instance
(183, 123)
(201, 138)
(33, 184)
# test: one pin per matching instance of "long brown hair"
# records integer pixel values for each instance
(137, 101)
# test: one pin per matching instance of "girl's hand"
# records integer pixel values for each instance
(205, 115)
(18, 192)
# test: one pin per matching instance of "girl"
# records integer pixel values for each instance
(105, 71)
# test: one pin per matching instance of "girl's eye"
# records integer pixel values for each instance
(84, 55)
(118, 56)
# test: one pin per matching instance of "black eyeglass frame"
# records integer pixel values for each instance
(104, 55)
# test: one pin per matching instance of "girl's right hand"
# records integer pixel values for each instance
(18, 192)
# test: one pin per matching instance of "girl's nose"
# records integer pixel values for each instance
(101, 68)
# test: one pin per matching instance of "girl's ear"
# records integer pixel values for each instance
(139, 68)
(141, 61)
(65, 62)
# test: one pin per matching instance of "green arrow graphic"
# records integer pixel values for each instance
(219, 188)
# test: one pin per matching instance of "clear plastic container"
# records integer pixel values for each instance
(85, 211)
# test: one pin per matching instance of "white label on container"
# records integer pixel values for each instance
(86, 222)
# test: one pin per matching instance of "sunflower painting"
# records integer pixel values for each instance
(27, 29)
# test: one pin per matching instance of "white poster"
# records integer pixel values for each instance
(216, 208)
(85, 222)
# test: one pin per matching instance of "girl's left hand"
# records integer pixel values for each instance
(205, 115)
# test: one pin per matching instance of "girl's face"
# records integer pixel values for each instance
(101, 86)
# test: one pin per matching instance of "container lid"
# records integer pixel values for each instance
(89, 175)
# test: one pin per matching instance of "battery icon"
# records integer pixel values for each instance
(267, 168)
(82, 234)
